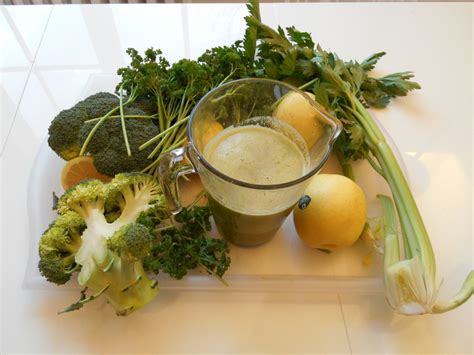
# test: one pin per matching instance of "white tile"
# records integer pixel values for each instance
(186, 322)
(373, 328)
(226, 27)
(21, 29)
(157, 26)
(95, 37)
(11, 88)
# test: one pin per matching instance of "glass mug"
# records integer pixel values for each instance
(246, 213)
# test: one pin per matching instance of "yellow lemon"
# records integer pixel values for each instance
(78, 169)
(332, 214)
(295, 110)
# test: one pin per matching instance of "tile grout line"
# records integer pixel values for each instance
(16, 34)
(26, 82)
(345, 324)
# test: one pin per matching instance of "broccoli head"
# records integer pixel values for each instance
(84, 198)
(64, 130)
(108, 147)
(108, 250)
(146, 104)
(133, 241)
(58, 246)
(135, 194)
(99, 104)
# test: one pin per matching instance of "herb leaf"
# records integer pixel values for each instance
(181, 250)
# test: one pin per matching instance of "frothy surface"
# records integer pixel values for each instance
(256, 154)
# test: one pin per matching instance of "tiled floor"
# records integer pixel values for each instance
(54, 50)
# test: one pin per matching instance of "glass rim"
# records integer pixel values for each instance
(333, 121)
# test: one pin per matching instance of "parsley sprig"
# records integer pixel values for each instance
(177, 251)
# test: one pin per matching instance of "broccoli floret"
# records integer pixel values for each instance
(129, 190)
(83, 198)
(146, 104)
(133, 241)
(64, 131)
(58, 245)
(111, 250)
(99, 104)
(108, 148)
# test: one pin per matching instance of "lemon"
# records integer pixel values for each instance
(295, 110)
(79, 169)
(212, 129)
(332, 214)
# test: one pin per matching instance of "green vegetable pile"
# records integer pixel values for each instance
(146, 118)
(117, 235)
(113, 233)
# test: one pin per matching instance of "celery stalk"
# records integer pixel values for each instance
(410, 278)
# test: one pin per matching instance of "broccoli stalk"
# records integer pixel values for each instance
(110, 253)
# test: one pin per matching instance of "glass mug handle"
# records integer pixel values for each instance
(172, 166)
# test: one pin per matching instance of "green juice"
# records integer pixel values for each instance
(261, 156)
(246, 229)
